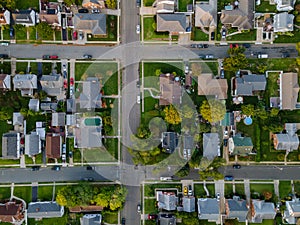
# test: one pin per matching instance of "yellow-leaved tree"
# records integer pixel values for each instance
(171, 115)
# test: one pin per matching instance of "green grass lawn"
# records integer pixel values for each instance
(265, 222)
(289, 39)
(4, 193)
(272, 87)
(45, 193)
(111, 145)
(110, 84)
(228, 190)
(23, 192)
(112, 28)
(265, 7)
(110, 217)
(199, 35)
(5, 67)
(213, 66)
(21, 4)
(150, 30)
(50, 221)
(285, 64)
(244, 36)
(183, 4)
(21, 34)
(98, 155)
(148, 2)
(239, 189)
(22, 67)
(199, 190)
(32, 33)
(150, 68)
(58, 35)
(6, 34)
(261, 188)
(285, 188)
(150, 206)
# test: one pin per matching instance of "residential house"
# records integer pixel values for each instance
(40, 210)
(90, 97)
(211, 145)
(34, 105)
(239, 145)
(189, 203)
(91, 219)
(70, 120)
(53, 146)
(170, 90)
(261, 210)
(166, 219)
(285, 5)
(86, 209)
(25, 17)
(58, 119)
(91, 23)
(48, 106)
(169, 141)
(50, 13)
(289, 89)
(239, 15)
(288, 141)
(40, 129)
(292, 213)
(26, 83)
(11, 145)
(18, 119)
(236, 208)
(209, 86)
(208, 209)
(93, 4)
(5, 81)
(174, 23)
(188, 143)
(5, 17)
(206, 14)
(167, 200)
(247, 85)
(71, 105)
(13, 212)
(32, 144)
(52, 84)
(165, 6)
(283, 22)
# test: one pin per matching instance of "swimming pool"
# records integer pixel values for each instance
(248, 120)
(93, 121)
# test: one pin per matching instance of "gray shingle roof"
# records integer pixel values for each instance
(172, 23)
(167, 219)
(44, 210)
(208, 209)
(169, 141)
(167, 201)
(58, 119)
(283, 22)
(188, 142)
(237, 209)
(91, 219)
(249, 83)
(25, 81)
(52, 84)
(211, 143)
(10, 145)
(92, 23)
(90, 98)
(286, 142)
(32, 144)
(18, 119)
(24, 17)
(34, 104)
(189, 203)
(263, 210)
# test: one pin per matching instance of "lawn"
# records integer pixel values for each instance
(4, 192)
(148, 2)
(110, 84)
(244, 36)
(50, 221)
(111, 145)
(261, 188)
(112, 28)
(110, 217)
(213, 67)
(289, 39)
(199, 191)
(45, 193)
(285, 188)
(5, 67)
(21, 34)
(150, 30)
(23, 67)
(21, 4)
(183, 4)
(199, 35)
(150, 206)
(32, 33)
(58, 35)
(265, 7)
(98, 155)
(297, 187)
(272, 87)
(284, 64)
(6, 33)
(151, 68)
(228, 190)
(150, 188)
(239, 189)
(23, 193)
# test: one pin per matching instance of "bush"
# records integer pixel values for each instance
(280, 157)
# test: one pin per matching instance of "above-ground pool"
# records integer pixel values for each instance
(248, 120)
(92, 121)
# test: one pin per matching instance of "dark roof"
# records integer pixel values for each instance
(167, 219)
(170, 22)
(169, 141)
(188, 142)
(24, 17)
(237, 209)
(32, 144)
(44, 210)
(94, 23)
(9, 145)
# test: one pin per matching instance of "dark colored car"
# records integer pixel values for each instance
(205, 45)
(201, 56)
(83, 10)
(228, 178)
(89, 168)
(88, 179)
(56, 168)
(222, 73)
(285, 55)
(123, 221)
(152, 216)
(246, 45)
(138, 3)
(193, 46)
(225, 141)
(70, 154)
(87, 56)
(35, 168)
(212, 36)
(236, 166)
(11, 32)
(200, 46)
(4, 56)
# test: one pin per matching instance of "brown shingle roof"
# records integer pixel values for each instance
(209, 86)
(289, 89)
(11, 211)
(53, 146)
(89, 208)
(170, 90)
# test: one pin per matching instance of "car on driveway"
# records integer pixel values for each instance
(222, 73)
(72, 81)
(65, 84)
(223, 33)
(152, 216)
(190, 190)
(218, 196)
(137, 29)
(236, 166)
(212, 36)
(56, 168)
(123, 220)
(185, 190)
(225, 142)
(75, 35)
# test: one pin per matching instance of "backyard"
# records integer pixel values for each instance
(150, 206)
(183, 5)
(265, 7)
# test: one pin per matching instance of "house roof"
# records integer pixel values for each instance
(289, 89)
(209, 86)
(165, 6)
(91, 219)
(208, 209)
(263, 210)
(32, 144)
(241, 17)
(27, 17)
(48, 106)
(169, 141)
(172, 23)
(94, 23)
(247, 84)
(189, 203)
(237, 209)
(71, 105)
(88, 208)
(44, 210)
(285, 5)
(52, 84)
(58, 119)
(167, 201)
(211, 145)
(283, 22)
(34, 104)
(206, 14)
(10, 145)
(292, 211)
(5, 17)
(11, 212)
(170, 90)
(18, 119)
(90, 97)
(53, 146)
(188, 142)
(50, 17)
(93, 4)
(240, 145)
(167, 219)
(25, 81)
(286, 142)
(5, 80)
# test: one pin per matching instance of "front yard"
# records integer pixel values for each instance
(199, 35)
(149, 30)
(244, 36)
(111, 30)
(265, 7)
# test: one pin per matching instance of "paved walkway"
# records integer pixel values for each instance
(276, 188)
(247, 190)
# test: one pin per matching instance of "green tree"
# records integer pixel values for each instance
(262, 114)
(171, 115)
(274, 112)
(102, 199)
(61, 199)
(213, 110)
(10, 4)
(111, 4)
(187, 112)
(248, 110)
(204, 127)
(143, 132)
(236, 60)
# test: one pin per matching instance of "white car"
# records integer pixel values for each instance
(165, 178)
(138, 29)
(138, 99)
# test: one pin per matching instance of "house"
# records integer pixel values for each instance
(239, 145)
(247, 85)
(167, 200)
(289, 89)
(5, 79)
(292, 212)
(71, 105)
(189, 203)
(34, 105)
(208, 209)
(170, 89)
(18, 119)
(283, 22)
(285, 5)
(166, 219)
(174, 23)
(261, 210)
(40, 129)
(209, 86)
(25, 17)
(165, 6)
(236, 208)
(53, 146)
(50, 13)
(58, 119)
(211, 145)
(4, 17)
(52, 84)
(70, 120)
(239, 15)
(91, 23)
(206, 14)
(169, 141)
(26, 83)
(48, 106)
(90, 97)
(288, 141)
(11, 145)
(93, 4)
(40, 210)
(13, 212)
(91, 219)
(32, 144)
(188, 143)
(85, 209)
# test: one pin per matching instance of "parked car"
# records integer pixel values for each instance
(228, 178)
(11, 32)
(75, 35)
(138, 99)
(123, 220)
(200, 46)
(35, 168)
(4, 56)
(152, 216)
(166, 178)
(138, 208)
(63, 157)
(70, 154)
(225, 142)
(223, 33)
(89, 168)
(64, 66)
(65, 84)
(222, 73)
(193, 46)
(138, 84)
(138, 3)
(236, 166)
(212, 36)
(205, 45)
(87, 56)
(218, 196)
(72, 81)
(285, 55)
(190, 190)
(88, 179)
(185, 190)
(50, 57)
(184, 153)
(246, 45)
(209, 56)
(83, 10)
(80, 35)
(5, 43)
(56, 168)
(201, 56)
(137, 29)
(262, 56)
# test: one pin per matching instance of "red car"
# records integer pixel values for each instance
(65, 84)
(152, 216)
(50, 57)
(75, 35)
(72, 81)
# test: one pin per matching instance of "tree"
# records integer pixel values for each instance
(171, 115)
(10, 4)
(143, 132)
(236, 60)
(212, 110)
(187, 112)
(267, 195)
(248, 110)
(262, 114)
(204, 127)
(61, 199)
(111, 4)
(274, 112)
(45, 32)
(102, 199)
(297, 7)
